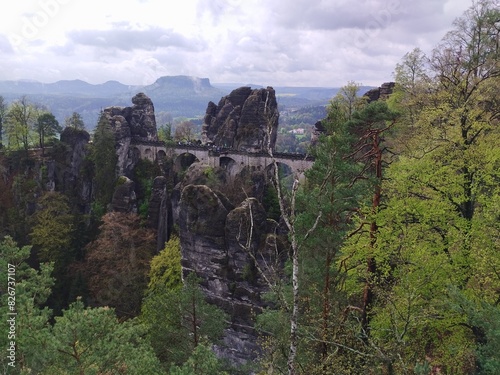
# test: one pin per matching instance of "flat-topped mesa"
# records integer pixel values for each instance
(246, 120)
(136, 122)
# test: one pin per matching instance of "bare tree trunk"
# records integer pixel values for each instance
(295, 307)
(288, 216)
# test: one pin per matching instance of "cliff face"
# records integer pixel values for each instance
(225, 247)
(224, 231)
(244, 120)
(136, 122)
(65, 174)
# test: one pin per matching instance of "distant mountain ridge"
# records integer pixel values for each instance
(178, 96)
(77, 87)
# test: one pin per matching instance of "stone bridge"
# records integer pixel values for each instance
(232, 160)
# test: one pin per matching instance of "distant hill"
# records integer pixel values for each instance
(178, 96)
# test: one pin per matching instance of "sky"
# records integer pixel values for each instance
(307, 43)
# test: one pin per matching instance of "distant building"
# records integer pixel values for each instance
(297, 131)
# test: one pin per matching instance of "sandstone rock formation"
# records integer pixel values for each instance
(124, 198)
(225, 247)
(246, 120)
(128, 123)
(160, 211)
(137, 121)
(132, 123)
(67, 174)
(380, 93)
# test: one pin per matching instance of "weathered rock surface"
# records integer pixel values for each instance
(124, 198)
(69, 174)
(246, 119)
(160, 211)
(132, 123)
(225, 247)
(380, 93)
(137, 121)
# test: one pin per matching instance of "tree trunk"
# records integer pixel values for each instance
(371, 267)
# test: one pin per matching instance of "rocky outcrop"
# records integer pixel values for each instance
(124, 197)
(69, 173)
(380, 93)
(160, 211)
(246, 120)
(226, 247)
(137, 121)
(129, 124)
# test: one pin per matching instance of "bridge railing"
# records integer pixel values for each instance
(216, 150)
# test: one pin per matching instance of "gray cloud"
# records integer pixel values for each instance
(336, 15)
(127, 39)
(362, 15)
(279, 42)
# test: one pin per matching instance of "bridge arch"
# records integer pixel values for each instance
(284, 169)
(285, 173)
(228, 163)
(148, 154)
(161, 155)
(134, 154)
(183, 161)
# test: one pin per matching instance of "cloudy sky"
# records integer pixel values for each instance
(266, 42)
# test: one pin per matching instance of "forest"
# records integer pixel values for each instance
(391, 240)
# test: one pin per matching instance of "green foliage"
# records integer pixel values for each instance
(81, 341)
(165, 133)
(144, 173)
(52, 237)
(271, 203)
(441, 187)
(75, 121)
(46, 127)
(165, 269)
(273, 325)
(338, 184)
(179, 320)
(483, 319)
(98, 210)
(20, 122)
(31, 289)
(201, 362)
(347, 100)
(52, 228)
(93, 341)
